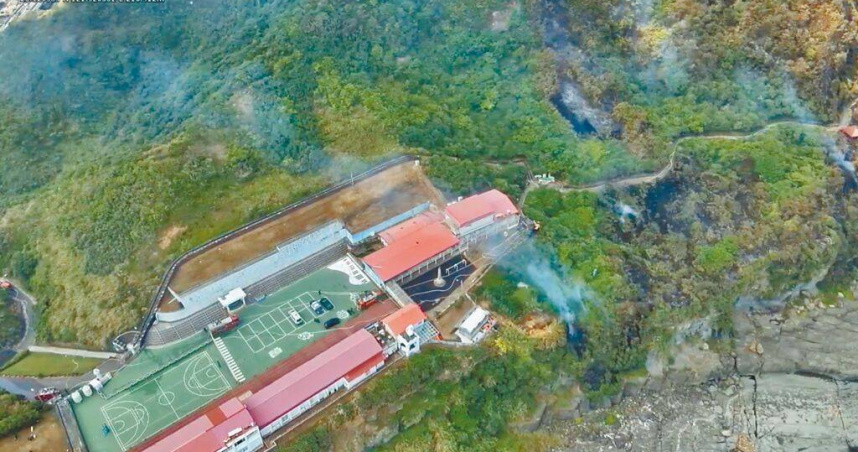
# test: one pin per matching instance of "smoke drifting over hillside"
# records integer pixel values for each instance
(536, 267)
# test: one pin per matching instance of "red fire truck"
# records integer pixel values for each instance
(367, 299)
(46, 395)
(227, 324)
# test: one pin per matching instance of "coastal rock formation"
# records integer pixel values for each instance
(812, 338)
(789, 386)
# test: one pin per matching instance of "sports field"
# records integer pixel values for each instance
(162, 386)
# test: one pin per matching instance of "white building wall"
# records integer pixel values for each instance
(477, 225)
(372, 371)
(464, 337)
(251, 441)
(405, 345)
(315, 400)
(476, 234)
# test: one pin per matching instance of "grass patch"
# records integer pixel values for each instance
(50, 365)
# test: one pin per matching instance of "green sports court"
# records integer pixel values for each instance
(162, 385)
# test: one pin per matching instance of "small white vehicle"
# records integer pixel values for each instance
(296, 318)
(317, 308)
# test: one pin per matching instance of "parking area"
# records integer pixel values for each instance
(267, 333)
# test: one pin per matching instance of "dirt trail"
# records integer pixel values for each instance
(648, 178)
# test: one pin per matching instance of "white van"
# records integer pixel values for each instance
(296, 318)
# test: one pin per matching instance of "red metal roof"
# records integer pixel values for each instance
(364, 368)
(411, 226)
(208, 432)
(375, 313)
(473, 208)
(409, 251)
(850, 131)
(287, 392)
(400, 320)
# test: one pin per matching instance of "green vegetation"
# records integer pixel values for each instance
(728, 223)
(676, 68)
(11, 322)
(454, 399)
(177, 128)
(49, 365)
(316, 439)
(17, 413)
(203, 133)
(505, 298)
(464, 177)
(195, 118)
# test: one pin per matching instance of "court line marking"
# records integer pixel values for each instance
(113, 429)
(224, 387)
(167, 399)
(259, 322)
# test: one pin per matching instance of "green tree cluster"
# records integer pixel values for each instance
(445, 399)
(17, 413)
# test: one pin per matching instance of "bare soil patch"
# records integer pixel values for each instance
(171, 233)
(358, 206)
(49, 437)
(500, 19)
(447, 321)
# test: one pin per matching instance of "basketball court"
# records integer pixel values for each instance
(159, 402)
(163, 385)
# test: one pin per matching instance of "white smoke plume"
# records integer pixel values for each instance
(625, 211)
(563, 291)
(838, 156)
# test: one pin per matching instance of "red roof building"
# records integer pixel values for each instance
(410, 250)
(850, 132)
(210, 431)
(399, 321)
(411, 226)
(350, 358)
(474, 208)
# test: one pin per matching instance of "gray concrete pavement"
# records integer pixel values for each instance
(71, 352)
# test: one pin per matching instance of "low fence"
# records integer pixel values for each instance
(69, 423)
(115, 390)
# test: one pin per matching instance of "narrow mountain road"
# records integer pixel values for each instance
(28, 308)
(28, 386)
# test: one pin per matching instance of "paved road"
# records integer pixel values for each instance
(28, 387)
(29, 310)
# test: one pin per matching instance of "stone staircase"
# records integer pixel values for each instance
(289, 275)
(163, 333)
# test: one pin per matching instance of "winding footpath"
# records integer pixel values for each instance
(648, 178)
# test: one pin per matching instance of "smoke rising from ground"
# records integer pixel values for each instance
(626, 212)
(838, 156)
(537, 267)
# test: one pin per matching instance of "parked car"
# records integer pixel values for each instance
(327, 304)
(330, 323)
(317, 308)
(296, 318)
